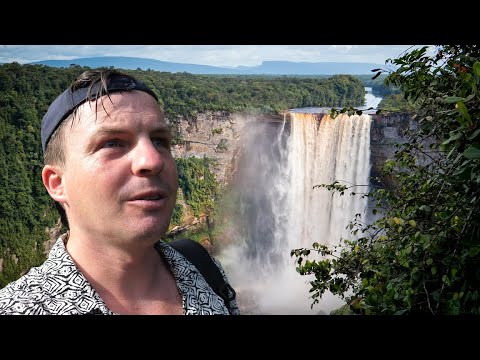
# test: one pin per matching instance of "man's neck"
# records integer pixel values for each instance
(129, 279)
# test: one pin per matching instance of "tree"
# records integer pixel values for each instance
(422, 255)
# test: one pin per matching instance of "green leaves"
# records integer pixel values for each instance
(474, 135)
(454, 135)
(453, 99)
(473, 152)
(422, 254)
(476, 68)
(462, 109)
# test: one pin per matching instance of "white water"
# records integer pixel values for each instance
(371, 101)
(281, 211)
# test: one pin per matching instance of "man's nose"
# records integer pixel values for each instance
(146, 159)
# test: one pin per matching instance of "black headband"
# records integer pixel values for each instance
(69, 100)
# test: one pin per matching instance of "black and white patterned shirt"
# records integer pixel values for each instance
(58, 287)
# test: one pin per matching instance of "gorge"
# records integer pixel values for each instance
(270, 164)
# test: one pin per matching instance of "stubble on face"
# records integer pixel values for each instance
(120, 176)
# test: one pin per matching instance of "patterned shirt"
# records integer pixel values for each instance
(57, 287)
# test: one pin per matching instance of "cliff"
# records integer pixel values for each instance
(216, 135)
(387, 131)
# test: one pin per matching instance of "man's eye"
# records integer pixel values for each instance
(161, 142)
(111, 143)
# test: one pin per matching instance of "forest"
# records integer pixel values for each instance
(27, 212)
(422, 253)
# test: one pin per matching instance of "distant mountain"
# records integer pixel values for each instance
(309, 68)
(266, 68)
(133, 63)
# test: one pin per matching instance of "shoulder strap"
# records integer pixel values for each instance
(199, 256)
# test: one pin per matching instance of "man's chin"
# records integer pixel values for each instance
(149, 230)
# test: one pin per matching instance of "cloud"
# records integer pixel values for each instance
(342, 48)
(216, 55)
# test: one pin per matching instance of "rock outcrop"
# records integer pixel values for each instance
(216, 136)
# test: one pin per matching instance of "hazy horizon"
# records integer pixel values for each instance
(229, 56)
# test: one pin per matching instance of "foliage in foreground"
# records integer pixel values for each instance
(422, 255)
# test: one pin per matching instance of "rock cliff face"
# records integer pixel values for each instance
(387, 131)
(222, 136)
(217, 136)
(214, 135)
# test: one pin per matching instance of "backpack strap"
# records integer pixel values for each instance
(199, 256)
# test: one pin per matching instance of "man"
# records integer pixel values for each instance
(109, 167)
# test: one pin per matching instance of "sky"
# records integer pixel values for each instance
(215, 55)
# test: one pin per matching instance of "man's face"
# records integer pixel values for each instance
(119, 178)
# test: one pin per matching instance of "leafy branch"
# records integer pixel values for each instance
(422, 254)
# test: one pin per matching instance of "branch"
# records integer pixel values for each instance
(428, 299)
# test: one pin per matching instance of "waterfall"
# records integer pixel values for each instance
(279, 209)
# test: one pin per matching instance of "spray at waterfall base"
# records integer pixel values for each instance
(280, 207)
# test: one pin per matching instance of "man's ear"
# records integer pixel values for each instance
(52, 177)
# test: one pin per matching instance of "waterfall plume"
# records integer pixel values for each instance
(280, 208)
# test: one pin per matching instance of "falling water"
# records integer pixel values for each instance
(279, 208)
